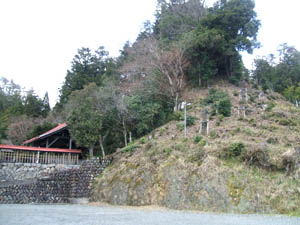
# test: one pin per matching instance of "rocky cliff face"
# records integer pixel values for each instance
(213, 185)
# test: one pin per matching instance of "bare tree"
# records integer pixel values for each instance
(168, 66)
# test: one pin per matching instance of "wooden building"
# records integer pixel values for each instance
(54, 146)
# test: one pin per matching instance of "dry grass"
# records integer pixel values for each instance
(258, 174)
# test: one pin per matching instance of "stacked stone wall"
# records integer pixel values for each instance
(48, 184)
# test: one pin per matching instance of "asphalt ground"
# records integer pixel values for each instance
(32, 214)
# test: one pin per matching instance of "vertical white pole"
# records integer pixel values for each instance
(184, 119)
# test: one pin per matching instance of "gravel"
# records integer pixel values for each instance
(110, 215)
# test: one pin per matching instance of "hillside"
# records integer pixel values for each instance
(244, 165)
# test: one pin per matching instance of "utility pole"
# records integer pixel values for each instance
(184, 119)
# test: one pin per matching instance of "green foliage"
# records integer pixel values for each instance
(213, 134)
(180, 126)
(130, 148)
(178, 115)
(197, 139)
(220, 102)
(143, 140)
(84, 124)
(280, 77)
(287, 122)
(250, 132)
(87, 67)
(272, 140)
(40, 129)
(202, 143)
(190, 120)
(236, 149)
(270, 106)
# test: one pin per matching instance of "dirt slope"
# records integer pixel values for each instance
(204, 172)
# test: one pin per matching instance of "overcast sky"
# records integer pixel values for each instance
(39, 38)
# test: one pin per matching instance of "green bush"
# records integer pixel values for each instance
(224, 107)
(220, 102)
(161, 131)
(213, 134)
(270, 106)
(197, 139)
(179, 115)
(272, 141)
(129, 148)
(236, 149)
(167, 151)
(143, 140)
(190, 120)
(288, 122)
(180, 126)
(202, 143)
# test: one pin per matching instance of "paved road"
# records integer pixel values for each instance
(103, 215)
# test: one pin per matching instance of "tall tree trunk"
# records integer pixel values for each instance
(228, 66)
(176, 102)
(199, 82)
(130, 137)
(101, 146)
(125, 132)
(91, 151)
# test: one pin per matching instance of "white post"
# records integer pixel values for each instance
(184, 119)
(207, 131)
(37, 157)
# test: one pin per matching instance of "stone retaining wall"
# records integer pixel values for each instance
(48, 183)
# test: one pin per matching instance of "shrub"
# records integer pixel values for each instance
(248, 131)
(161, 131)
(224, 107)
(167, 151)
(213, 134)
(190, 120)
(196, 156)
(236, 149)
(202, 143)
(270, 106)
(272, 141)
(180, 126)
(256, 155)
(197, 139)
(288, 122)
(130, 148)
(252, 98)
(235, 131)
(143, 140)
(177, 116)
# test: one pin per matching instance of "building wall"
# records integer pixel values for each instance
(32, 183)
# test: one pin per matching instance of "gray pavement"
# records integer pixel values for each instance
(105, 215)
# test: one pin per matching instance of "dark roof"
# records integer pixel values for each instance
(26, 148)
(60, 126)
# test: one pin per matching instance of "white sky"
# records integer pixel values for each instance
(39, 38)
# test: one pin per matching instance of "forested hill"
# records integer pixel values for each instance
(108, 102)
